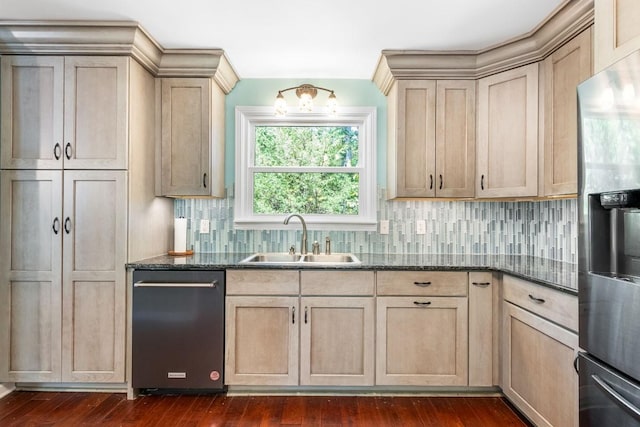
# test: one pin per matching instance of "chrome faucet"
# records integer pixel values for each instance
(303, 243)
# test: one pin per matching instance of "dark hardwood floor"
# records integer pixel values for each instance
(25, 408)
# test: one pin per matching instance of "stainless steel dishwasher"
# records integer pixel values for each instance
(178, 330)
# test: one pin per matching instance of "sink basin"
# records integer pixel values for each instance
(301, 260)
(272, 258)
(331, 259)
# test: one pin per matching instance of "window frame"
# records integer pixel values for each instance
(247, 118)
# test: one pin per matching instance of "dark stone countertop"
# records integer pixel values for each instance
(554, 274)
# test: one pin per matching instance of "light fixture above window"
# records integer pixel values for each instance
(305, 93)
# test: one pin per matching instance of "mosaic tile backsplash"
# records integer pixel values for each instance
(546, 229)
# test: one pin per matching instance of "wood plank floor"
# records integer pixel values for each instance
(25, 408)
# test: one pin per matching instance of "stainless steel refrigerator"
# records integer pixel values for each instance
(609, 245)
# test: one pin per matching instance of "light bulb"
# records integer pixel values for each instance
(280, 106)
(332, 104)
(306, 102)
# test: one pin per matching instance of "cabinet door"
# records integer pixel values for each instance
(412, 140)
(617, 32)
(186, 137)
(93, 311)
(31, 108)
(507, 149)
(336, 341)
(95, 112)
(421, 341)
(561, 73)
(482, 294)
(30, 275)
(455, 138)
(538, 374)
(261, 340)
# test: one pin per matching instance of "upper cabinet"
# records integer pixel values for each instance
(192, 137)
(560, 74)
(508, 134)
(617, 32)
(431, 146)
(66, 112)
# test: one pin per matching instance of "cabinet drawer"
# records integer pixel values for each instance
(433, 283)
(337, 282)
(554, 305)
(263, 282)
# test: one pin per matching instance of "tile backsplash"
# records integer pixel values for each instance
(546, 229)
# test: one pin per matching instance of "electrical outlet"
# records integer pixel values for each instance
(421, 226)
(384, 226)
(204, 226)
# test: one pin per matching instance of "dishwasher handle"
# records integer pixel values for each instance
(175, 284)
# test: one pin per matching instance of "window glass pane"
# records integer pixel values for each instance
(325, 146)
(306, 193)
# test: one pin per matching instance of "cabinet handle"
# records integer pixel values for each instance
(293, 315)
(422, 304)
(575, 365)
(67, 151)
(57, 151)
(430, 182)
(482, 182)
(440, 182)
(481, 284)
(537, 300)
(67, 225)
(56, 225)
(204, 180)
(422, 284)
(305, 316)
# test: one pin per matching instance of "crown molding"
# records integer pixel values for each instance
(120, 38)
(565, 22)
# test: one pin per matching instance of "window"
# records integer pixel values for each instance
(307, 163)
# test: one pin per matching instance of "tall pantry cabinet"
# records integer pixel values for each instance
(77, 183)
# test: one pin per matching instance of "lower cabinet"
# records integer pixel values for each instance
(537, 371)
(421, 339)
(323, 337)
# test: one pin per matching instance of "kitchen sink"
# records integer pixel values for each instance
(301, 260)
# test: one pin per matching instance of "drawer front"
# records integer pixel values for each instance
(554, 305)
(431, 283)
(263, 282)
(337, 282)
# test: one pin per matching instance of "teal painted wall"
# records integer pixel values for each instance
(262, 92)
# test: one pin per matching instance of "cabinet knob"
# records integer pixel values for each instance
(67, 151)
(293, 315)
(430, 182)
(536, 300)
(204, 180)
(440, 182)
(67, 225)
(482, 182)
(305, 316)
(481, 284)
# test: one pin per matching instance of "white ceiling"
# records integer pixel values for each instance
(304, 38)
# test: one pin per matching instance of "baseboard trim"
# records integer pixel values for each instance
(6, 388)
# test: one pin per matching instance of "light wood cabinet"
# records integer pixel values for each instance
(483, 332)
(261, 340)
(560, 74)
(274, 337)
(421, 328)
(421, 341)
(507, 139)
(192, 137)
(616, 31)
(86, 285)
(66, 112)
(67, 234)
(539, 346)
(538, 375)
(431, 144)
